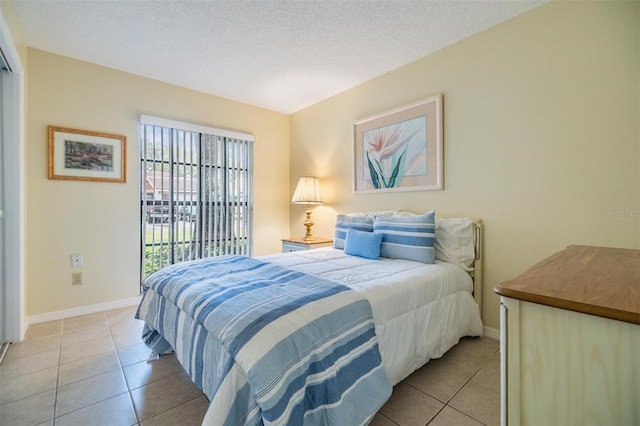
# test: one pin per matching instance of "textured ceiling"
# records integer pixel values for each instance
(282, 55)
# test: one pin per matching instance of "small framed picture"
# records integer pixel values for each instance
(400, 149)
(85, 155)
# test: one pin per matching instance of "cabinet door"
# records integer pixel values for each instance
(509, 361)
(577, 368)
(562, 367)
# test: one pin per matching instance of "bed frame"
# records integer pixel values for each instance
(400, 366)
(476, 274)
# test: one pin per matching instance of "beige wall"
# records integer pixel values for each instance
(541, 136)
(101, 220)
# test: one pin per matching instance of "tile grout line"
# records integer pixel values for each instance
(52, 415)
(29, 373)
(388, 418)
(437, 412)
(462, 387)
(466, 415)
(446, 403)
(71, 383)
(129, 390)
(465, 383)
(55, 394)
(124, 377)
(473, 375)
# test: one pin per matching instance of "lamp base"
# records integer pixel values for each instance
(308, 223)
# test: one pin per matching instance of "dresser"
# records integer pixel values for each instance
(570, 340)
(295, 244)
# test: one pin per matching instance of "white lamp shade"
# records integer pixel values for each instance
(308, 191)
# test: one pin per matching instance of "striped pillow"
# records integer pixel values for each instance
(407, 237)
(345, 222)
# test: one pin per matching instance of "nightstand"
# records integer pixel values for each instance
(295, 244)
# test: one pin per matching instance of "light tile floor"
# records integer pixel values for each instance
(94, 370)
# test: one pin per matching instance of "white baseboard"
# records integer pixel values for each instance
(83, 310)
(492, 333)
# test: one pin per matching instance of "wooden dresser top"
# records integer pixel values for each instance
(592, 280)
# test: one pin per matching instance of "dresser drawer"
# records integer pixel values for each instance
(296, 244)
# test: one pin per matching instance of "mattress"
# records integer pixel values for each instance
(420, 310)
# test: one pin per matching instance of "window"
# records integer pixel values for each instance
(196, 192)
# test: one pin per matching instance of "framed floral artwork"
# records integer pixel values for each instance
(84, 155)
(400, 149)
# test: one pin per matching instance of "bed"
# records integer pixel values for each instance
(317, 336)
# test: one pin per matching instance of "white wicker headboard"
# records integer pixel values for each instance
(476, 274)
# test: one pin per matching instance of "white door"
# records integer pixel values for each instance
(12, 178)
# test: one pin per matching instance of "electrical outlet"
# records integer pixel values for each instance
(76, 260)
(76, 278)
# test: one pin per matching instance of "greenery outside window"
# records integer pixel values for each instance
(196, 196)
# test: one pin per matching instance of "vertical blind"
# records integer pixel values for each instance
(196, 192)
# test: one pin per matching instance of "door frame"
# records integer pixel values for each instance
(13, 170)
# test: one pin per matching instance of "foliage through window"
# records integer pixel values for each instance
(196, 192)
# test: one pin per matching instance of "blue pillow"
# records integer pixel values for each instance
(407, 237)
(363, 244)
(345, 222)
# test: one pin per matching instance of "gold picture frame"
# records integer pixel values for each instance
(85, 155)
(400, 149)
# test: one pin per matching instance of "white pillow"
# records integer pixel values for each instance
(455, 241)
(403, 213)
(373, 214)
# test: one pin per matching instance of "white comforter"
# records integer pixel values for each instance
(420, 310)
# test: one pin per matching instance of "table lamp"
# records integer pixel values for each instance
(308, 192)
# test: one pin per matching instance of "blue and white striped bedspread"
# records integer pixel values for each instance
(291, 348)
